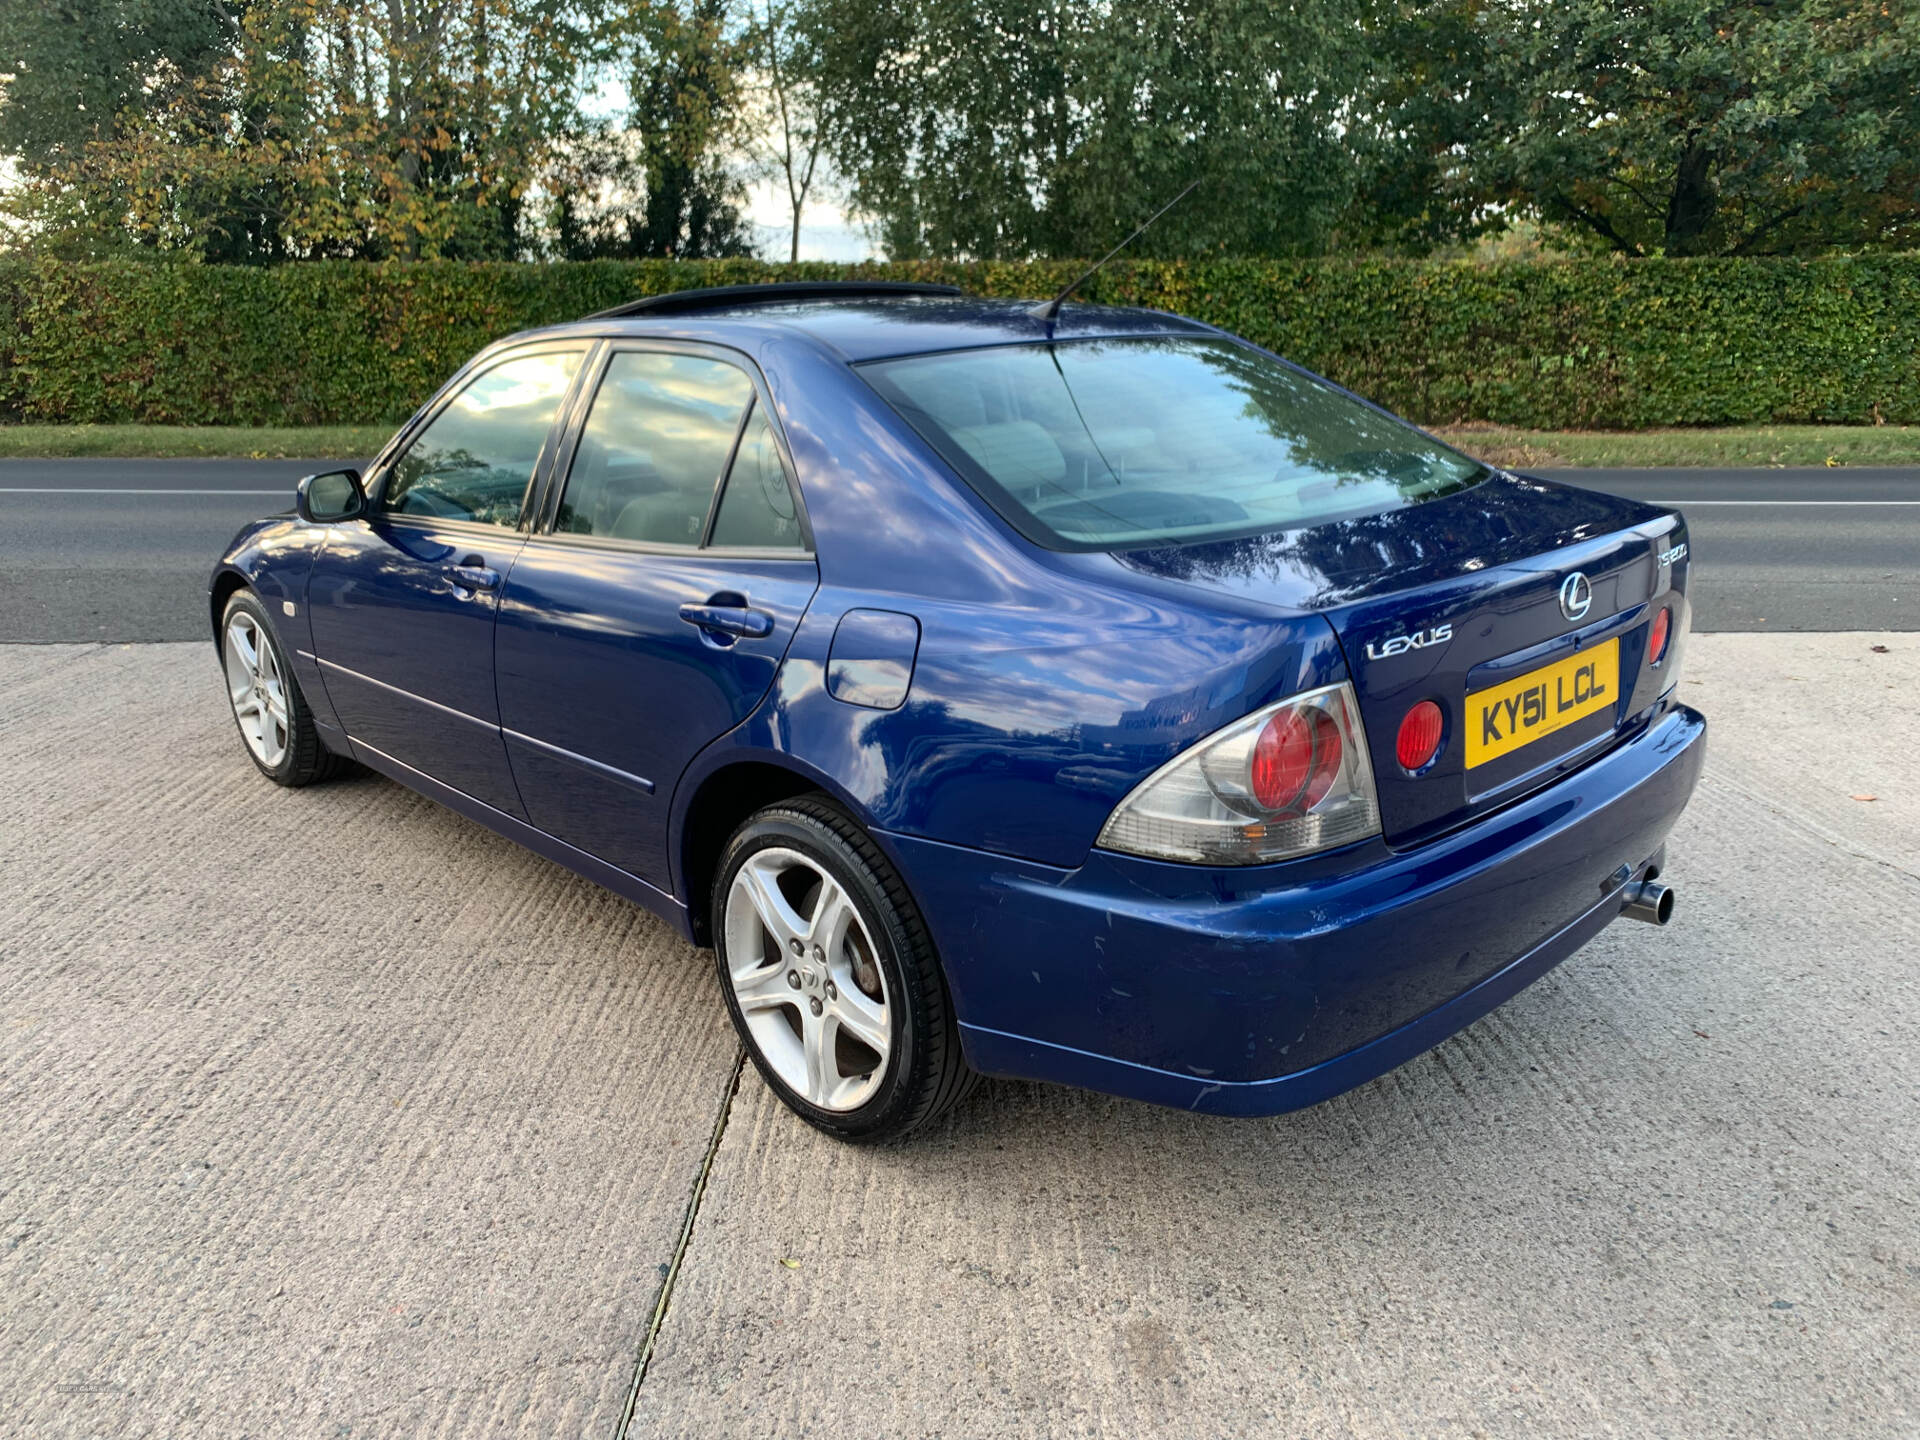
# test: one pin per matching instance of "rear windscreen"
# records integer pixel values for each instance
(1115, 444)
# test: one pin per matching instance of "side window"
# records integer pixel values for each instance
(653, 447)
(474, 459)
(757, 507)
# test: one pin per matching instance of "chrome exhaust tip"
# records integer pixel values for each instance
(1647, 900)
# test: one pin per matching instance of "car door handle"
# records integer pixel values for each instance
(474, 577)
(729, 620)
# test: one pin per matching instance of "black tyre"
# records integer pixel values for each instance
(275, 725)
(831, 977)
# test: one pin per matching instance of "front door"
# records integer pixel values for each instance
(403, 602)
(648, 616)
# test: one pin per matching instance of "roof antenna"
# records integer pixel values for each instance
(1049, 310)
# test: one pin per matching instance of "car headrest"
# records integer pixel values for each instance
(1015, 452)
(664, 519)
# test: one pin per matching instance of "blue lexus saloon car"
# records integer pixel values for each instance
(1080, 694)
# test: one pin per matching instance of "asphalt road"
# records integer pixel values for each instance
(328, 1113)
(1791, 549)
(119, 550)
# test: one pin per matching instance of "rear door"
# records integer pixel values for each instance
(402, 602)
(648, 612)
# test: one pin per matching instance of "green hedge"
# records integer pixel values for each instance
(1554, 345)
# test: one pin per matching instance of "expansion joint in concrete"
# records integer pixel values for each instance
(665, 1298)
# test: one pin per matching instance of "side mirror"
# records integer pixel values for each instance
(329, 496)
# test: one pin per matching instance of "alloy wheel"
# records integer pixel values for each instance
(806, 978)
(256, 689)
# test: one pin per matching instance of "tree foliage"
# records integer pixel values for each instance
(268, 130)
(1420, 119)
(1006, 128)
(408, 128)
(1648, 126)
(1681, 128)
(419, 129)
(663, 188)
(76, 68)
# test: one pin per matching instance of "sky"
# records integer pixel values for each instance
(825, 233)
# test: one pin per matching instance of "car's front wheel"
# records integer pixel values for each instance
(831, 977)
(268, 708)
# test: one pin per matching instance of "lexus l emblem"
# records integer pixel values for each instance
(1576, 596)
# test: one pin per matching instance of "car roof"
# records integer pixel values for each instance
(860, 327)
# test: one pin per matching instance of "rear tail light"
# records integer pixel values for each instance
(1296, 757)
(1658, 637)
(1287, 780)
(1419, 738)
(1667, 642)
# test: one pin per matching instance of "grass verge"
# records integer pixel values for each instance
(1524, 449)
(1734, 445)
(193, 442)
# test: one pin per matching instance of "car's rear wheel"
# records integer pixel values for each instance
(831, 977)
(271, 713)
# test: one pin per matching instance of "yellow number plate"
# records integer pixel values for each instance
(1502, 719)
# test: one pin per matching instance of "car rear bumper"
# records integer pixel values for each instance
(1259, 990)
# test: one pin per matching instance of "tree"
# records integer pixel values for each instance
(1682, 128)
(74, 68)
(411, 128)
(1254, 98)
(686, 107)
(1004, 128)
(791, 106)
(80, 74)
(664, 186)
(1423, 111)
(257, 131)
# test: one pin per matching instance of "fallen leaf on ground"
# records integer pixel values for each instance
(790, 1264)
(1878, 649)
(1866, 797)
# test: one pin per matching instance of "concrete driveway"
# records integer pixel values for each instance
(330, 1114)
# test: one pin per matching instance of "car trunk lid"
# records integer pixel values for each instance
(1459, 601)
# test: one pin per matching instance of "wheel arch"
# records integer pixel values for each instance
(715, 805)
(226, 583)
